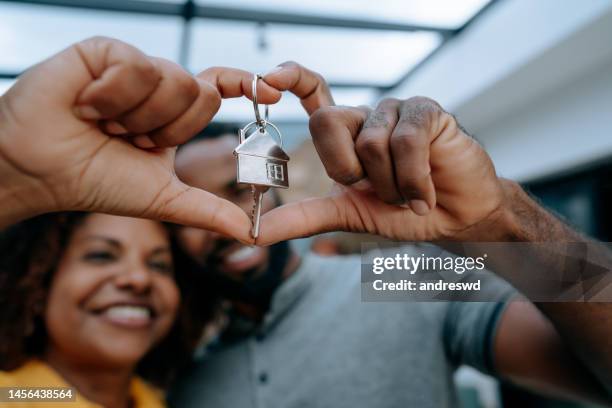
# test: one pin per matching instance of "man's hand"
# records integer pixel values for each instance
(93, 128)
(405, 171)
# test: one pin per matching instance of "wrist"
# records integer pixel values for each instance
(525, 220)
(509, 223)
(502, 224)
(21, 196)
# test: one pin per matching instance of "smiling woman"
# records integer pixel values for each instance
(91, 301)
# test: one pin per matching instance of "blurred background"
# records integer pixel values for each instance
(530, 79)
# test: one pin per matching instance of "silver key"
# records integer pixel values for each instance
(258, 192)
(262, 164)
(260, 160)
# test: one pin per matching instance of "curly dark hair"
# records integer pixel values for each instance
(29, 254)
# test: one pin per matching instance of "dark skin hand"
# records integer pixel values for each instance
(407, 171)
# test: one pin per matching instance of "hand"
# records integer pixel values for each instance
(93, 129)
(405, 171)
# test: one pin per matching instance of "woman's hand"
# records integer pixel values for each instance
(94, 128)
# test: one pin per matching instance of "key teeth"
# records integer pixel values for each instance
(254, 212)
(254, 209)
(258, 192)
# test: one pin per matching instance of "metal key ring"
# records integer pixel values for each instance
(258, 119)
(245, 130)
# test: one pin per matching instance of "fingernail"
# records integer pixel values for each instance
(115, 128)
(274, 70)
(87, 112)
(143, 141)
(419, 207)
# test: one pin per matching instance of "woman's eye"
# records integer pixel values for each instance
(162, 266)
(99, 256)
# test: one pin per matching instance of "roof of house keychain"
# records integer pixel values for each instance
(261, 161)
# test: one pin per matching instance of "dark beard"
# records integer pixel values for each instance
(257, 288)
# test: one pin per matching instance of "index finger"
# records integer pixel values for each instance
(233, 83)
(333, 131)
(307, 85)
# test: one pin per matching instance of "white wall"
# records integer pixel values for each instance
(569, 127)
(533, 80)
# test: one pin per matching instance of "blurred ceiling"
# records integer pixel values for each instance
(363, 48)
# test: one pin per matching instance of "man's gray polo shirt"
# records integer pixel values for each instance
(321, 346)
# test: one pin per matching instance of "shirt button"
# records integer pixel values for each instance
(263, 377)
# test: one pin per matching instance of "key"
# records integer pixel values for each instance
(260, 160)
(262, 163)
(258, 192)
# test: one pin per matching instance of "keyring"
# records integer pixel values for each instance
(263, 123)
(244, 132)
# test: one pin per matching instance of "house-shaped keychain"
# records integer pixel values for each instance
(260, 160)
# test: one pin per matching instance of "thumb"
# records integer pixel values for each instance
(192, 207)
(303, 219)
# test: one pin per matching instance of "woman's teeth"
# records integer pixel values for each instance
(128, 313)
(242, 254)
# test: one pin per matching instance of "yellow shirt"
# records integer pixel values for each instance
(35, 373)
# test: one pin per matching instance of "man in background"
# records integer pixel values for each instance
(299, 334)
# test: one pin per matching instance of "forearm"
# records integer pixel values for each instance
(586, 326)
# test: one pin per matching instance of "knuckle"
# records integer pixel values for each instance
(452, 120)
(210, 96)
(147, 70)
(385, 102)
(95, 50)
(406, 139)
(319, 78)
(208, 71)
(371, 147)
(377, 119)
(188, 86)
(170, 69)
(419, 111)
(426, 104)
(324, 118)
(290, 64)
(143, 67)
(99, 39)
